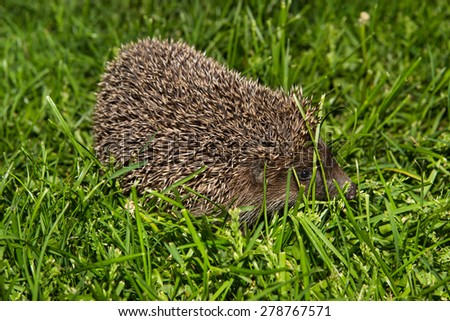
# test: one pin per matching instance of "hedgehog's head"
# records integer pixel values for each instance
(267, 181)
(313, 168)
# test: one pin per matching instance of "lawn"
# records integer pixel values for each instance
(67, 232)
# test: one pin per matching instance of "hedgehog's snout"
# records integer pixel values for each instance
(334, 175)
(337, 176)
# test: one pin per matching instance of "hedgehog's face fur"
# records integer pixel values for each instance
(273, 177)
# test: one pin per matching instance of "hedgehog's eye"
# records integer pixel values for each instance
(305, 174)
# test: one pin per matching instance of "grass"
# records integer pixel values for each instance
(68, 233)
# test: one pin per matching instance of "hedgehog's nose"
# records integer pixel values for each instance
(351, 191)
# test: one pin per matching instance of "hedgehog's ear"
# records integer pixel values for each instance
(257, 173)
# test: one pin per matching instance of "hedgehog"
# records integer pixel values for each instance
(168, 111)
